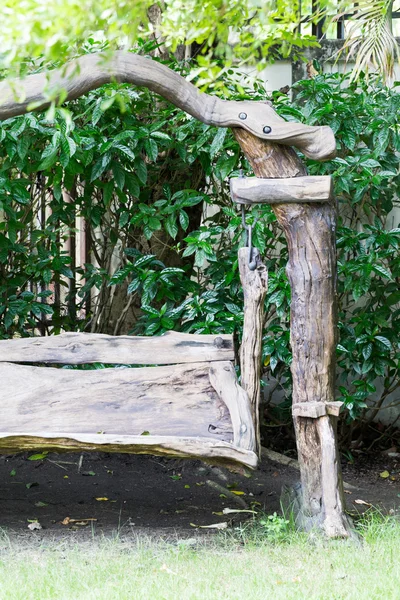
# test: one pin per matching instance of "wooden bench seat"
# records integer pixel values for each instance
(192, 406)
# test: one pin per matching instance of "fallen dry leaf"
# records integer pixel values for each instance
(237, 492)
(101, 499)
(167, 570)
(358, 501)
(222, 525)
(68, 520)
(384, 474)
(228, 511)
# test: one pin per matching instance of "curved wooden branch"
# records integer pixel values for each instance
(92, 71)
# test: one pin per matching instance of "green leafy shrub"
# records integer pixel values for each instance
(364, 117)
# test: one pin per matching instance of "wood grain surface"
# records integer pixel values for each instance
(78, 348)
(92, 71)
(146, 409)
(254, 190)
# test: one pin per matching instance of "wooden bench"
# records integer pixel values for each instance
(189, 405)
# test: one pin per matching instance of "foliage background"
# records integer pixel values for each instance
(139, 173)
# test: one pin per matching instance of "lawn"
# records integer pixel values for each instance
(255, 563)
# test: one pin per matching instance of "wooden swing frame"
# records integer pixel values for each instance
(305, 209)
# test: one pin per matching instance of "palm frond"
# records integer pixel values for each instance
(370, 41)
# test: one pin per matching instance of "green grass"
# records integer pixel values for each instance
(246, 564)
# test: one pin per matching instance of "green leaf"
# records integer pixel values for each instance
(132, 184)
(183, 220)
(393, 299)
(218, 141)
(367, 351)
(108, 192)
(273, 362)
(160, 136)
(123, 219)
(97, 169)
(381, 271)
(171, 227)
(151, 149)
(40, 456)
(125, 150)
(22, 146)
(48, 158)
(141, 170)
(370, 162)
(154, 223)
(384, 341)
(119, 175)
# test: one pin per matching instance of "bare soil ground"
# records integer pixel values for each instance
(156, 496)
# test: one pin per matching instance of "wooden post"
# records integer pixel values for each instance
(310, 233)
(255, 285)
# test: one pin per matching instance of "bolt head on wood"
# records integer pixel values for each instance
(267, 129)
(242, 116)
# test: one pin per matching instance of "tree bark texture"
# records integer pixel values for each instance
(255, 285)
(310, 234)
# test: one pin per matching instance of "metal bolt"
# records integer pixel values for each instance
(243, 116)
(267, 129)
(219, 342)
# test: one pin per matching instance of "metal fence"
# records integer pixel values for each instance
(311, 23)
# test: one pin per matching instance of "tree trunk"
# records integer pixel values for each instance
(310, 234)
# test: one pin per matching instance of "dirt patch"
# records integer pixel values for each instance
(151, 494)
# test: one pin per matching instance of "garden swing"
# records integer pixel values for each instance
(190, 404)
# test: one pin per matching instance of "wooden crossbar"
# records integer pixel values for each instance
(254, 190)
(79, 348)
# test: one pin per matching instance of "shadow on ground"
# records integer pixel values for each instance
(105, 493)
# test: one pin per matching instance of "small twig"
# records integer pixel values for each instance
(223, 490)
(80, 461)
(58, 464)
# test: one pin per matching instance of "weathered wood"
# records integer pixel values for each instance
(177, 402)
(253, 190)
(218, 452)
(170, 400)
(332, 486)
(223, 380)
(92, 71)
(255, 286)
(80, 348)
(310, 233)
(315, 410)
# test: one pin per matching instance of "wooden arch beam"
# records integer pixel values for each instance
(92, 71)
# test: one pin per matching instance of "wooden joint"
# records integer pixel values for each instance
(309, 189)
(315, 410)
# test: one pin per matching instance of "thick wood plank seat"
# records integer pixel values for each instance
(190, 409)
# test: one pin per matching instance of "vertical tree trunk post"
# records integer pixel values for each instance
(310, 233)
(255, 285)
